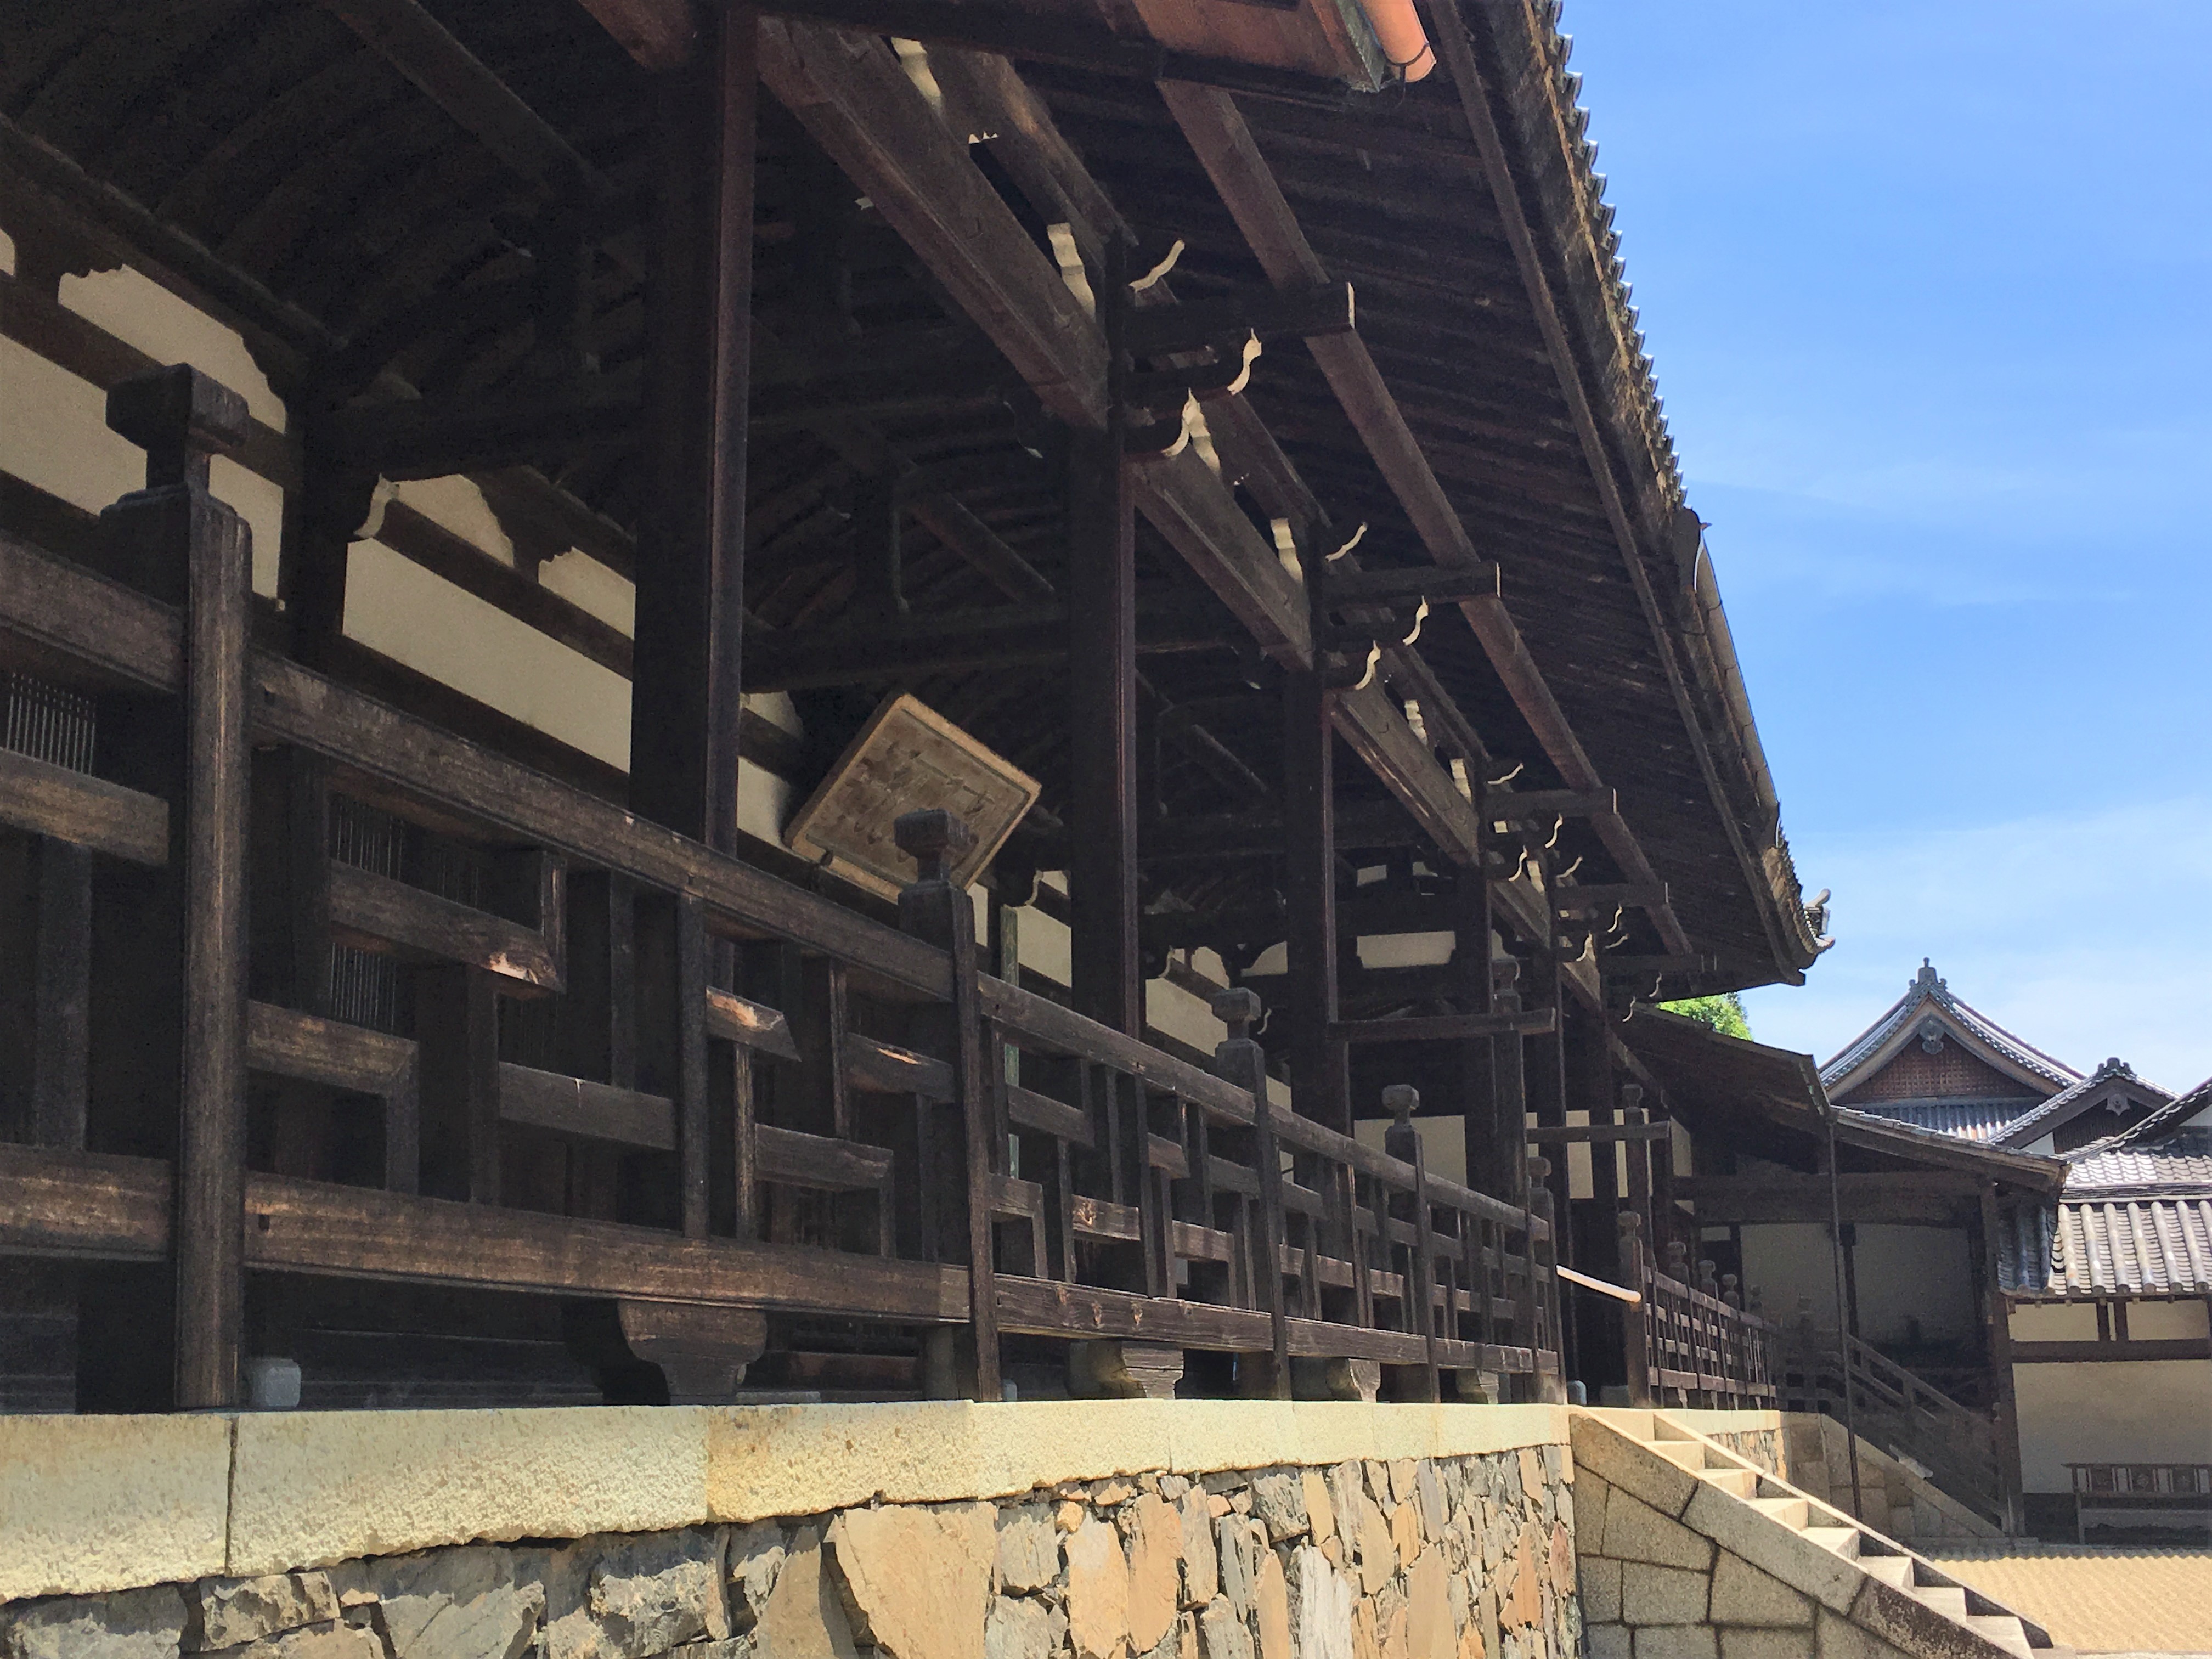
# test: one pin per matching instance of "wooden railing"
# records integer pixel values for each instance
(400, 1008)
(1900, 1412)
(1688, 1346)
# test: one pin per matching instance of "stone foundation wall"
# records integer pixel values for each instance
(1462, 1555)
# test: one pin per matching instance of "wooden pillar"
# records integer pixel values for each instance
(61, 993)
(1102, 661)
(1242, 1061)
(684, 696)
(934, 909)
(1474, 989)
(1997, 1324)
(1319, 1088)
(180, 417)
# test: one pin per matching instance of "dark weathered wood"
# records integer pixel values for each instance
(1045, 1026)
(886, 1068)
(287, 1042)
(591, 1111)
(377, 910)
(90, 1206)
(694, 1162)
(821, 1162)
(1996, 1312)
(1903, 1196)
(1325, 308)
(1440, 585)
(691, 597)
(179, 533)
(1602, 898)
(932, 909)
(457, 1027)
(1002, 638)
(46, 799)
(1107, 981)
(1209, 118)
(2137, 1348)
(1319, 1086)
(748, 1024)
(450, 75)
(61, 993)
(1443, 1028)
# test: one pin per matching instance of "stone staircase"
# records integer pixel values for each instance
(1787, 1577)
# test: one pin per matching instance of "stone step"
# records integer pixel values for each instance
(1795, 1513)
(1839, 1541)
(2001, 1628)
(1894, 1570)
(1684, 1453)
(1950, 1600)
(1737, 1483)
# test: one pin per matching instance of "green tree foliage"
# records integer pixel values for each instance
(1724, 1013)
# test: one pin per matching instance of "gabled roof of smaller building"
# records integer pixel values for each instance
(1978, 1118)
(2113, 1079)
(1930, 1012)
(2136, 1218)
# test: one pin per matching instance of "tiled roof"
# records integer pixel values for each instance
(2059, 1107)
(2136, 1219)
(2159, 1126)
(1928, 987)
(1969, 1119)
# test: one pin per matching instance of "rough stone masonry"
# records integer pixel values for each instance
(1452, 1558)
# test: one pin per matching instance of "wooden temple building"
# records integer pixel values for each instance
(870, 699)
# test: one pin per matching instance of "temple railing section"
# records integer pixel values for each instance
(1689, 1345)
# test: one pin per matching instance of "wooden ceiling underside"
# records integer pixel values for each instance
(397, 251)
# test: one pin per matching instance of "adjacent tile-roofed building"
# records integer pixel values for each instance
(2136, 1218)
(1929, 1045)
(2071, 1117)
(1969, 1117)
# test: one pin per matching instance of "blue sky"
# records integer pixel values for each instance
(1929, 291)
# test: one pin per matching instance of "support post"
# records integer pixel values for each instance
(180, 417)
(1319, 1088)
(60, 994)
(1545, 1258)
(684, 696)
(1102, 661)
(934, 909)
(1636, 1317)
(1402, 1141)
(1240, 1059)
(1997, 1318)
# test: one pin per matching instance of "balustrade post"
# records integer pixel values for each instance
(1637, 1319)
(1403, 1142)
(1553, 1391)
(1240, 1059)
(188, 544)
(935, 910)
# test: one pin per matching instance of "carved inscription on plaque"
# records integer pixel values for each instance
(908, 758)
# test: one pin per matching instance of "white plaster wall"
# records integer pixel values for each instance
(1903, 1272)
(1443, 1142)
(2155, 1411)
(2166, 1320)
(1907, 1273)
(401, 610)
(2054, 1321)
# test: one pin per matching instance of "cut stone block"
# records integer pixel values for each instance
(1662, 1596)
(1636, 1469)
(1609, 1642)
(1676, 1641)
(1742, 1595)
(1600, 1582)
(1798, 1561)
(1767, 1643)
(235, 1611)
(140, 1624)
(1634, 1531)
(448, 1602)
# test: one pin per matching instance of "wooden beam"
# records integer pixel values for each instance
(1442, 584)
(2081, 1353)
(1319, 1086)
(1323, 309)
(1909, 1197)
(1537, 808)
(1592, 1133)
(1106, 978)
(416, 45)
(686, 697)
(419, 439)
(1597, 898)
(377, 911)
(1225, 148)
(1446, 1028)
(46, 799)
(961, 642)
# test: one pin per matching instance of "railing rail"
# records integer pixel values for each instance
(1688, 1346)
(823, 1114)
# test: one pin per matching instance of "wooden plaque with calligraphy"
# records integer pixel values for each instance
(908, 757)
